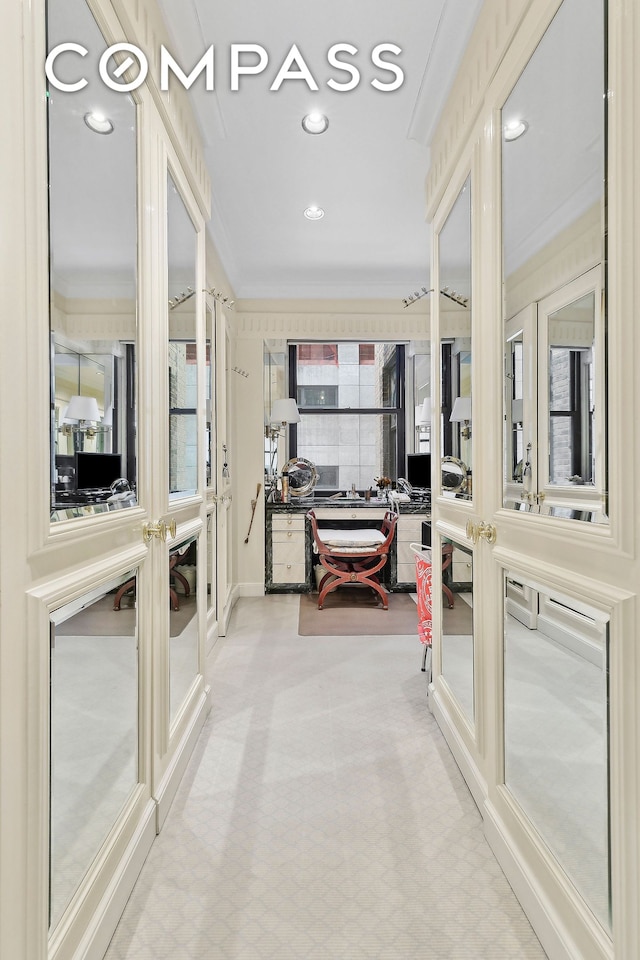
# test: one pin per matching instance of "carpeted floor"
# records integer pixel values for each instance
(353, 612)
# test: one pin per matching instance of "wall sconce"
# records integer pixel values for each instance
(461, 413)
(282, 412)
(82, 416)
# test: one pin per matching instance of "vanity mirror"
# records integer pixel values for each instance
(303, 476)
(553, 168)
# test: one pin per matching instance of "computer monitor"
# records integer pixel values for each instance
(97, 470)
(419, 470)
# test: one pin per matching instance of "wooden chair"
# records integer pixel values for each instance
(353, 556)
(174, 559)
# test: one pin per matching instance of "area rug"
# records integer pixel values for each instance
(354, 612)
(101, 620)
(459, 621)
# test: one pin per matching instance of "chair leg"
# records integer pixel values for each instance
(448, 595)
(427, 651)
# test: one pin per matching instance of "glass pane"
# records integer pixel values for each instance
(571, 389)
(183, 622)
(454, 245)
(349, 448)
(93, 284)
(94, 728)
(457, 624)
(556, 731)
(347, 375)
(183, 368)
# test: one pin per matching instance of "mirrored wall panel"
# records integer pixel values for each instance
(454, 252)
(554, 215)
(457, 624)
(94, 728)
(556, 741)
(93, 284)
(183, 367)
(183, 622)
(210, 394)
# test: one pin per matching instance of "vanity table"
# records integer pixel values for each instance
(289, 544)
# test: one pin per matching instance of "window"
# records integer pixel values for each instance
(351, 402)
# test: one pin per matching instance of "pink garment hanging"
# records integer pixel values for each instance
(423, 587)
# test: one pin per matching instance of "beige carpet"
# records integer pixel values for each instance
(354, 612)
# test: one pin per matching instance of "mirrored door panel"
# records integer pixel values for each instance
(454, 253)
(556, 739)
(183, 622)
(183, 367)
(93, 282)
(553, 206)
(457, 624)
(94, 728)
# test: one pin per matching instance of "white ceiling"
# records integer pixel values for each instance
(367, 171)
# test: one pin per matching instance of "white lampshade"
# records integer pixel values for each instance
(83, 408)
(65, 418)
(285, 411)
(516, 411)
(461, 410)
(425, 411)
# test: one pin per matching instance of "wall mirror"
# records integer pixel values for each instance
(457, 624)
(94, 728)
(210, 392)
(553, 175)
(183, 366)
(556, 730)
(454, 255)
(92, 277)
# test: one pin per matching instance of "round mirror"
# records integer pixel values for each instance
(454, 475)
(303, 476)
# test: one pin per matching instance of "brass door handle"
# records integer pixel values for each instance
(160, 530)
(480, 530)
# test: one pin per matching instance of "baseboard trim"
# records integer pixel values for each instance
(250, 589)
(106, 917)
(474, 780)
(174, 773)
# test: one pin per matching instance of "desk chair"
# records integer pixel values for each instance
(353, 556)
(423, 592)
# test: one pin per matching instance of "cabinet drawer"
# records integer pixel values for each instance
(404, 552)
(290, 535)
(350, 513)
(288, 552)
(410, 528)
(462, 572)
(287, 521)
(288, 573)
(406, 572)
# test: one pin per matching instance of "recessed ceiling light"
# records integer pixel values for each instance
(314, 213)
(515, 129)
(98, 122)
(315, 122)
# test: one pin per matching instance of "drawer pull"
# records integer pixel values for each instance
(288, 566)
(289, 521)
(289, 534)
